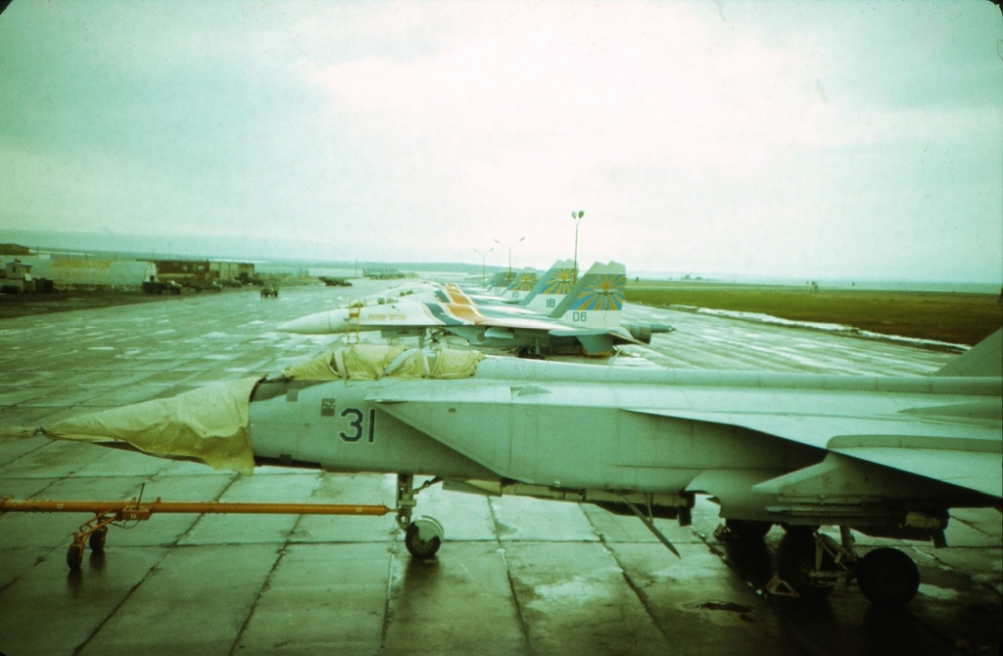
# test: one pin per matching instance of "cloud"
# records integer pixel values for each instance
(729, 136)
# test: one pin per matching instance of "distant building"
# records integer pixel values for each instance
(15, 278)
(66, 271)
(201, 272)
(232, 270)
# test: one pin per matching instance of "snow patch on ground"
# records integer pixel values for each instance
(758, 317)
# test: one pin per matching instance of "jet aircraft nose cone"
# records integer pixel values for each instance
(321, 323)
(662, 328)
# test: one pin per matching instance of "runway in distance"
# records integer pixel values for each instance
(885, 456)
(587, 320)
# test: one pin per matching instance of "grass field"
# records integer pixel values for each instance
(948, 317)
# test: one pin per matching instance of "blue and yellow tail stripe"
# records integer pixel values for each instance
(602, 292)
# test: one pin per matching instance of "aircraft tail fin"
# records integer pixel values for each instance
(522, 283)
(500, 281)
(551, 288)
(984, 359)
(597, 300)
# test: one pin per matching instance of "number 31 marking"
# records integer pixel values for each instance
(358, 424)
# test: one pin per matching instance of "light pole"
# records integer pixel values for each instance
(576, 216)
(483, 255)
(509, 247)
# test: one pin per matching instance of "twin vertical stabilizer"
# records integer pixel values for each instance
(597, 299)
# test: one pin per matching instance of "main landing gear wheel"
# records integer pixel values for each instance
(418, 547)
(888, 576)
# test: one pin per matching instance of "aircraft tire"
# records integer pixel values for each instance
(97, 539)
(420, 548)
(796, 559)
(888, 576)
(74, 556)
(748, 530)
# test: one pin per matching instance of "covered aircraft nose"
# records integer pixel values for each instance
(321, 323)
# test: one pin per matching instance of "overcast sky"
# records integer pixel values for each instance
(800, 139)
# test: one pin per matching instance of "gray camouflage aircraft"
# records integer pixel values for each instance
(884, 456)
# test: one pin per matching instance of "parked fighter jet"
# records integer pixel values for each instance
(500, 281)
(549, 290)
(522, 283)
(885, 456)
(552, 287)
(588, 320)
(545, 295)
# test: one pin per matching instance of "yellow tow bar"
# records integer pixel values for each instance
(94, 531)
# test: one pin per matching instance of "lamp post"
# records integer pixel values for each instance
(483, 255)
(576, 216)
(509, 247)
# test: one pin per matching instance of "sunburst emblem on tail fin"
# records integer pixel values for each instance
(561, 282)
(605, 293)
(525, 282)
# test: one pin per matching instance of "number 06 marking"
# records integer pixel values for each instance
(358, 424)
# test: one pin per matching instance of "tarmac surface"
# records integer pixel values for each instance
(515, 576)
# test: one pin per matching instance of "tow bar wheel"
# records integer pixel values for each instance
(74, 555)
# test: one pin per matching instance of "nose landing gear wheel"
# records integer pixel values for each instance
(420, 548)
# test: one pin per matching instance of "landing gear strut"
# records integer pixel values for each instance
(424, 535)
(811, 566)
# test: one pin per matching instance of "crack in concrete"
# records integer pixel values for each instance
(523, 624)
(636, 589)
